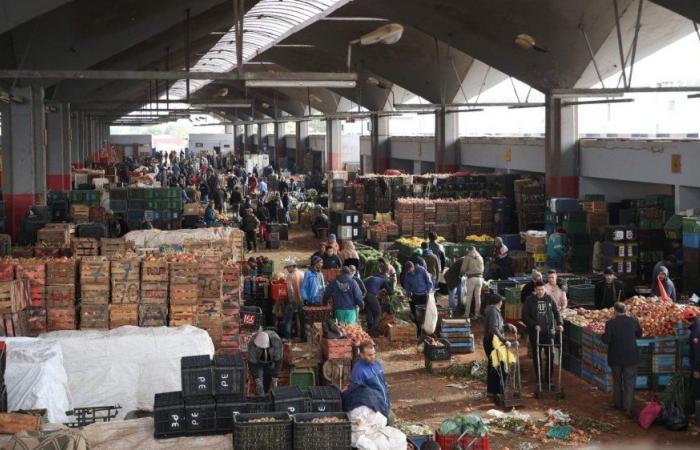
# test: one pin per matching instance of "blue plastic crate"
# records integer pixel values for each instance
(643, 382)
(691, 240)
(563, 205)
(512, 241)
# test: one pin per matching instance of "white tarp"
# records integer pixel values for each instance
(36, 378)
(156, 238)
(128, 365)
(370, 431)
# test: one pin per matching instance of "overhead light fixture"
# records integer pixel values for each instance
(693, 95)
(265, 105)
(527, 42)
(598, 102)
(225, 105)
(223, 92)
(388, 34)
(372, 81)
(300, 84)
(414, 106)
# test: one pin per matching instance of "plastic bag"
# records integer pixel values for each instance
(649, 414)
(674, 417)
(431, 315)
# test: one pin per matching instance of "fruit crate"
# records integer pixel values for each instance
(466, 442)
(250, 435)
(309, 435)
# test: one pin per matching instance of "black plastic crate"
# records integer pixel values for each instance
(228, 406)
(322, 436)
(91, 230)
(275, 435)
(289, 399)
(196, 376)
(325, 399)
(251, 317)
(229, 375)
(435, 353)
(168, 415)
(200, 415)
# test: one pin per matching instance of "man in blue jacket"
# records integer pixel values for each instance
(694, 326)
(346, 296)
(313, 285)
(417, 284)
(375, 285)
(368, 385)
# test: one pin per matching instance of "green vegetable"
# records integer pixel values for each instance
(449, 427)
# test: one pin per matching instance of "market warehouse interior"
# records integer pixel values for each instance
(286, 224)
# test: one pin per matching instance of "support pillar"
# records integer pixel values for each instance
(280, 145)
(302, 144)
(67, 146)
(56, 176)
(75, 142)
(334, 144)
(23, 153)
(381, 150)
(259, 141)
(238, 140)
(247, 139)
(561, 149)
(447, 157)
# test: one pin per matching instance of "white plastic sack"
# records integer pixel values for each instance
(431, 315)
(156, 238)
(128, 365)
(35, 377)
(369, 431)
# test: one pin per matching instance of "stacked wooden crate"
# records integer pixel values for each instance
(33, 271)
(112, 246)
(80, 213)
(85, 247)
(126, 290)
(153, 307)
(94, 292)
(184, 274)
(480, 216)
(54, 237)
(14, 300)
(60, 294)
(231, 308)
(209, 293)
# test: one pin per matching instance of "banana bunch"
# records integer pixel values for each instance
(484, 238)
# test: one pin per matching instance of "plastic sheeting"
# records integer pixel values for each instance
(370, 431)
(156, 238)
(126, 366)
(35, 377)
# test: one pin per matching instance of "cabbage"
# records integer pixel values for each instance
(449, 427)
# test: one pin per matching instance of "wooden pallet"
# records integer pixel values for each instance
(14, 296)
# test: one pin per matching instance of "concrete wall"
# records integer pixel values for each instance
(291, 141)
(507, 154)
(133, 143)
(616, 190)
(207, 142)
(317, 142)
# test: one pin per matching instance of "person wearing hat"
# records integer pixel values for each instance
(473, 269)
(313, 284)
(662, 286)
(333, 242)
(608, 291)
(346, 296)
(621, 334)
(295, 304)
(265, 360)
(690, 315)
(529, 287)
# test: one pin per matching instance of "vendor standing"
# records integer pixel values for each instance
(473, 269)
(662, 286)
(542, 318)
(377, 286)
(529, 287)
(621, 334)
(694, 355)
(608, 291)
(249, 225)
(417, 284)
(346, 296)
(313, 285)
(453, 280)
(265, 360)
(368, 386)
(555, 291)
(495, 327)
(295, 304)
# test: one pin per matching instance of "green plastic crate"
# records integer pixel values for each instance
(137, 204)
(690, 224)
(582, 293)
(76, 196)
(303, 378)
(513, 295)
(119, 194)
(136, 193)
(151, 193)
(118, 206)
(172, 192)
(152, 204)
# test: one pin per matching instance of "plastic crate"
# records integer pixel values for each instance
(278, 291)
(118, 206)
(643, 382)
(229, 375)
(289, 399)
(196, 376)
(660, 381)
(251, 317)
(663, 364)
(467, 442)
(435, 353)
(303, 378)
(118, 194)
(325, 399)
(228, 406)
(275, 435)
(200, 415)
(168, 415)
(321, 436)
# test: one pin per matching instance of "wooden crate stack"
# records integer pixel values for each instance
(94, 292)
(60, 294)
(480, 216)
(184, 274)
(14, 301)
(34, 272)
(210, 289)
(113, 246)
(153, 307)
(55, 236)
(80, 213)
(231, 308)
(85, 246)
(529, 204)
(125, 276)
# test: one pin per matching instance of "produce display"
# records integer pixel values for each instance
(327, 420)
(369, 261)
(415, 242)
(415, 429)
(470, 424)
(263, 420)
(485, 238)
(355, 333)
(433, 342)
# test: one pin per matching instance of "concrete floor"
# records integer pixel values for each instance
(423, 397)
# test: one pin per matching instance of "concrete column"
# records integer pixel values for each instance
(247, 138)
(280, 145)
(446, 141)
(76, 137)
(67, 146)
(84, 139)
(381, 150)
(561, 149)
(334, 143)
(56, 176)
(23, 145)
(259, 140)
(302, 144)
(238, 140)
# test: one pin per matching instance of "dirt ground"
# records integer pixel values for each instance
(423, 397)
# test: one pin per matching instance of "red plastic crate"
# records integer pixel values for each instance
(278, 291)
(448, 442)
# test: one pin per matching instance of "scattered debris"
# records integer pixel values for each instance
(475, 370)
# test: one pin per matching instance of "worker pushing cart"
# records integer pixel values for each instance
(544, 323)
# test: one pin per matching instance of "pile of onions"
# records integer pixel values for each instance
(355, 333)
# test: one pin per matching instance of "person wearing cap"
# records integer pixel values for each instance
(333, 242)
(529, 287)
(691, 316)
(265, 360)
(662, 286)
(377, 287)
(313, 285)
(473, 269)
(346, 296)
(608, 291)
(295, 304)
(621, 334)
(417, 284)
(330, 259)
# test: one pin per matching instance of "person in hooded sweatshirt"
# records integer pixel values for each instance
(662, 279)
(346, 296)
(432, 262)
